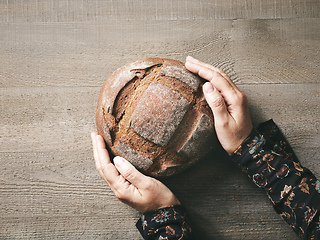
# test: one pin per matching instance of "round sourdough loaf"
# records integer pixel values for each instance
(153, 113)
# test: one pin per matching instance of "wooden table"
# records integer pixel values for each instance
(55, 56)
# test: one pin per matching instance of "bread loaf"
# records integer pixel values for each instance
(153, 113)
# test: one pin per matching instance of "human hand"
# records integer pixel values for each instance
(141, 192)
(229, 105)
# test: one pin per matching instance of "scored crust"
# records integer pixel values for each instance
(153, 113)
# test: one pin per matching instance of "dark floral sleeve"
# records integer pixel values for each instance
(165, 224)
(267, 158)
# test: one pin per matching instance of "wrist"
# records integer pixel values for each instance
(236, 143)
(170, 203)
(239, 151)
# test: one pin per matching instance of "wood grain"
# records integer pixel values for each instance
(55, 56)
(50, 188)
(69, 54)
(101, 11)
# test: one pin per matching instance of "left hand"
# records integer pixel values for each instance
(229, 105)
(141, 192)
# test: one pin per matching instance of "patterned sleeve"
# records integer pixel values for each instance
(165, 224)
(267, 158)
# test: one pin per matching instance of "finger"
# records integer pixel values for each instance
(190, 59)
(118, 184)
(228, 91)
(206, 72)
(103, 164)
(130, 173)
(216, 103)
(94, 145)
(102, 150)
(95, 152)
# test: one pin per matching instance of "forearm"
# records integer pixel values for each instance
(267, 158)
(165, 223)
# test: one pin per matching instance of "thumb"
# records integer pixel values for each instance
(129, 172)
(216, 102)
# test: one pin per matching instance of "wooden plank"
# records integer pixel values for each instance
(50, 188)
(274, 51)
(55, 119)
(59, 195)
(69, 54)
(101, 11)
(84, 55)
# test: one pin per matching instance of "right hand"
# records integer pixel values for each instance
(229, 105)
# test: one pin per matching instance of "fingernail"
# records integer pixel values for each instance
(93, 137)
(208, 88)
(118, 161)
(191, 59)
(97, 137)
